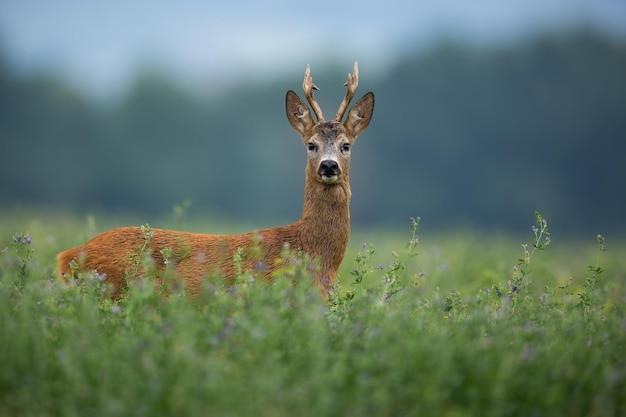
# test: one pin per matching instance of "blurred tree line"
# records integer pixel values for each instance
(461, 136)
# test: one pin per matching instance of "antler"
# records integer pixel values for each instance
(308, 87)
(351, 84)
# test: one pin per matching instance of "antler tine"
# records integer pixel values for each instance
(308, 86)
(351, 84)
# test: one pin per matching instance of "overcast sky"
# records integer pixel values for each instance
(99, 45)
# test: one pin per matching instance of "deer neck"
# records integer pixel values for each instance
(325, 221)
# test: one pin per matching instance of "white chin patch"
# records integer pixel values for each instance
(329, 179)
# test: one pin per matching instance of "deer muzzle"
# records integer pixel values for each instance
(329, 171)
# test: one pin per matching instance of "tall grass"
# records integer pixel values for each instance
(401, 335)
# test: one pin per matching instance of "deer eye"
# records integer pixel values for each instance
(311, 146)
(345, 147)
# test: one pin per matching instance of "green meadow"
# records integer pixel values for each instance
(420, 324)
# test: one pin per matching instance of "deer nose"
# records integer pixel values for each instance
(328, 168)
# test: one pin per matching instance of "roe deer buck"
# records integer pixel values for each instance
(321, 233)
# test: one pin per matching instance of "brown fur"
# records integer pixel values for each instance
(322, 232)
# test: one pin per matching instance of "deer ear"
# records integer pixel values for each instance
(298, 113)
(360, 115)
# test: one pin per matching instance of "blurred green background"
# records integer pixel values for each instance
(484, 113)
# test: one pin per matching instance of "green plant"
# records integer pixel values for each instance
(540, 240)
(279, 349)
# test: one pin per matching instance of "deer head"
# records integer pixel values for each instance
(329, 143)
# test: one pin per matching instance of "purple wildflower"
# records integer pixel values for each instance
(22, 239)
(260, 266)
